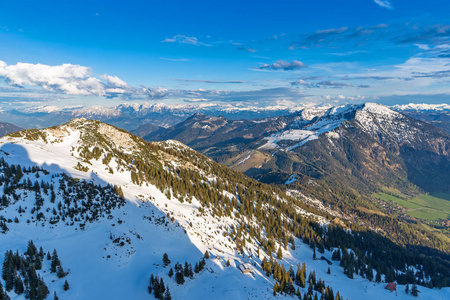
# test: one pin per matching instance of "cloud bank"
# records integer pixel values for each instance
(72, 80)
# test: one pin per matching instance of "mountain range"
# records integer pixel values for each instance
(114, 212)
(364, 158)
(132, 115)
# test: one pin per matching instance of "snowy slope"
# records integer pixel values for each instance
(102, 269)
(374, 119)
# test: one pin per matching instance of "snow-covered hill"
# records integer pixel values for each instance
(81, 190)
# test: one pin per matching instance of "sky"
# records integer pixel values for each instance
(240, 53)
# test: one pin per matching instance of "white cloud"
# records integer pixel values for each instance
(72, 80)
(182, 39)
(115, 81)
(384, 3)
(284, 65)
(66, 78)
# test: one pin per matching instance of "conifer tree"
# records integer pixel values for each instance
(414, 290)
(55, 261)
(166, 259)
(18, 285)
(3, 294)
(66, 285)
(179, 278)
(276, 288)
(60, 271)
(167, 295)
(378, 276)
(279, 253)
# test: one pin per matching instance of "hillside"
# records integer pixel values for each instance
(341, 156)
(127, 202)
(6, 128)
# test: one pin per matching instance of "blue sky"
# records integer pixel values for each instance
(243, 53)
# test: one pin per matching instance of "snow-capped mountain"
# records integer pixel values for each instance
(340, 154)
(112, 205)
(436, 114)
(132, 115)
(230, 141)
(422, 107)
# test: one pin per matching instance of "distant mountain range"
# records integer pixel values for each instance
(435, 114)
(131, 116)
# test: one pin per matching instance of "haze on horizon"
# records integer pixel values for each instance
(257, 53)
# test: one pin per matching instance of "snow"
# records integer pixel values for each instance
(249, 154)
(356, 288)
(422, 107)
(289, 135)
(291, 179)
(125, 273)
(312, 124)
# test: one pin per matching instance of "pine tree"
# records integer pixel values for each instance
(167, 295)
(60, 272)
(328, 271)
(179, 278)
(55, 297)
(378, 276)
(170, 272)
(279, 253)
(66, 285)
(414, 290)
(186, 272)
(3, 294)
(206, 254)
(407, 289)
(228, 262)
(18, 285)
(166, 259)
(276, 288)
(162, 287)
(196, 268)
(31, 249)
(55, 261)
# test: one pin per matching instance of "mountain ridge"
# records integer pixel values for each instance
(221, 210)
